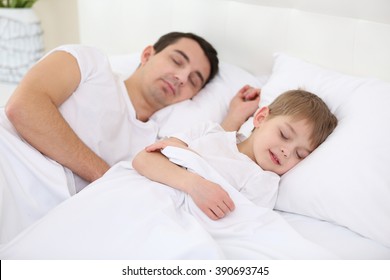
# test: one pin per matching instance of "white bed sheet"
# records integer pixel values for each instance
(124, 215)
(339, 240)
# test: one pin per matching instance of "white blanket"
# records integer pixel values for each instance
(126, 216)
(30, 183)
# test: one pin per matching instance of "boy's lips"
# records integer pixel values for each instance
(274, 158)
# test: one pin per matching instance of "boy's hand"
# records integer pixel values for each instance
(159, 145)
(213, 200)
(243, 105)
(248, 93)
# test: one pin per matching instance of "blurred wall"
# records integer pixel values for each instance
(59, 19)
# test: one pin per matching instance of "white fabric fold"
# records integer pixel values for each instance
(124, 215)
(250, 231)
(30, 183)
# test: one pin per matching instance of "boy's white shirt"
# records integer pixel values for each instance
(219, 149)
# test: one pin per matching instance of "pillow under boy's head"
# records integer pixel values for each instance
(346, 180)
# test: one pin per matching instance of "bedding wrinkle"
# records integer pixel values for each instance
(249, 230)
(167, 228)
(31, 183)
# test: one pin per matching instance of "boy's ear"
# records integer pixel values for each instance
(147, 53)
(260, 115)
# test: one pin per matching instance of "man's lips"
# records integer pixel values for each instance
(171, 86)
(274, 158)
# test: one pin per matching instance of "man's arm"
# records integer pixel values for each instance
(208, 196)
(33, 110)
(243, 105)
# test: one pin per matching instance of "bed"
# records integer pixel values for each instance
(333, 205)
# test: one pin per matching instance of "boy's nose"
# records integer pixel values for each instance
(285, 152)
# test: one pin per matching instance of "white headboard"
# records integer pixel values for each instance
(350, 36)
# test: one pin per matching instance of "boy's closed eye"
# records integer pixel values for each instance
(283, 135)
(302, 154)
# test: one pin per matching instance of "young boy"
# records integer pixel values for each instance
(285, 132)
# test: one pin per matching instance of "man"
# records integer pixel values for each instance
(53, 106)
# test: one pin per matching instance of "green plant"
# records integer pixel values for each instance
(17, 3)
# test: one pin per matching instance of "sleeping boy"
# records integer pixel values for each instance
(285, 133)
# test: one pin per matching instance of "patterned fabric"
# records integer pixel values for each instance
(21, 43)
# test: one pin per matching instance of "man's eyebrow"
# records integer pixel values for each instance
(185, 56)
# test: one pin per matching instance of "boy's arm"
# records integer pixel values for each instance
(242, 106)
(208, 196)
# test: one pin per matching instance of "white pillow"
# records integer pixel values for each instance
(347, 179)
(211, 104)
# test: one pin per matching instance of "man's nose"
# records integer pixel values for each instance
(181, 77)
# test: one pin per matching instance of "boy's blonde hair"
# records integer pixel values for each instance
(301, 104)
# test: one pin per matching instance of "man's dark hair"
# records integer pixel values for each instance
(210, 52)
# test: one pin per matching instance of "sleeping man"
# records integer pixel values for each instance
(284, 133)
(71, 118)
(71, 107)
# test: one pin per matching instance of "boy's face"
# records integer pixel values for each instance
(175, 74)
(280, 142)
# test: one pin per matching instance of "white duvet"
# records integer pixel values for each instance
(30, 183)
(124, 215)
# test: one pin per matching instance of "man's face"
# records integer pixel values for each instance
(175, 74)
